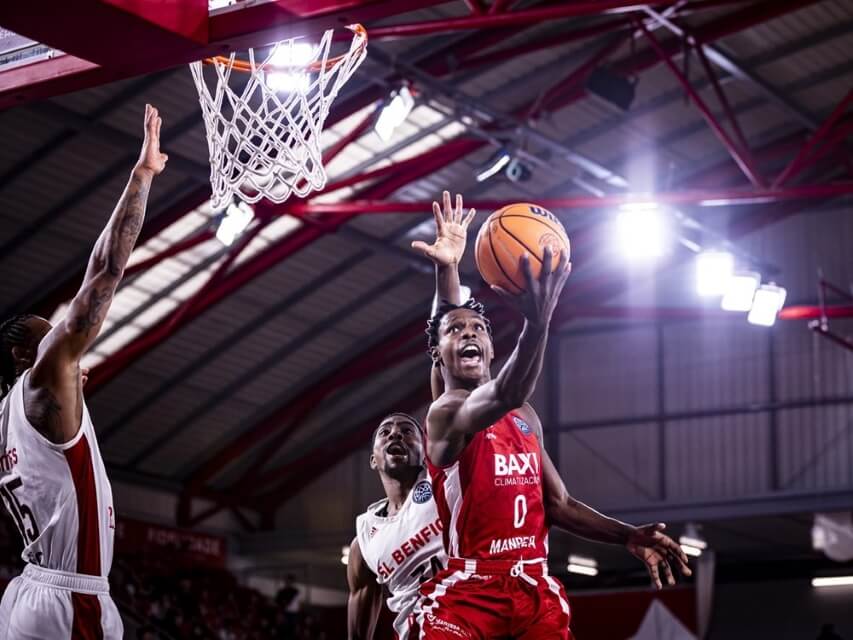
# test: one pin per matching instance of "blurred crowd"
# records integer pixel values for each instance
(208, 604)
(168, 603)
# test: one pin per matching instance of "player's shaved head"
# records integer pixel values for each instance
(395, 416)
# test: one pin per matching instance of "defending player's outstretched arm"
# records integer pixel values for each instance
(460, 413)
(451, 234)
(365, 597)
(55, 375)
(648, 542)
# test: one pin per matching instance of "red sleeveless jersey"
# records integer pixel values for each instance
(490, 500)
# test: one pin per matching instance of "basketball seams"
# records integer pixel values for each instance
(530, 251)
(500, 264)
(502, 233)
(555, 227)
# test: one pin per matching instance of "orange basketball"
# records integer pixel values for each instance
(508, 234)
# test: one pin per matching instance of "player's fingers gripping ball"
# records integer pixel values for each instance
(509, 233)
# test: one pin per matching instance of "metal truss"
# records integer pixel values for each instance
(480, 18)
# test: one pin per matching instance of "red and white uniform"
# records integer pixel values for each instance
(61, 501)
(403, 550)
(491, 503)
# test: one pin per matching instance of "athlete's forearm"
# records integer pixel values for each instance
(107, 262)
(584, 521)
(362, 614)
(113, 248)
(447, 284)
(516, 380)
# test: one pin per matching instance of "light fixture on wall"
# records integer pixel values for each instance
(766, 305)
(582, 565)
(394, 113)
(713, 271)
(833, 581)
(691, 542)
(235, 220)
(642, 230)
(740, 291)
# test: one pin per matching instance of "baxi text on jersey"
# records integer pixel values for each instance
(515, 469)
(409, 547)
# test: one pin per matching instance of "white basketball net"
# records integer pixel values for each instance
(264, 134)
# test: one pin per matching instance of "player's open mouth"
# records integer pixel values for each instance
(396, 449)
(471, 354)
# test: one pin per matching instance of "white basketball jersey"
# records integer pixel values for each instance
(58, 494)
(403, 550)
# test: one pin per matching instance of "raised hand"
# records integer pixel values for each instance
(451, 231)
(658, 552)
(538, 301)
(150, 158)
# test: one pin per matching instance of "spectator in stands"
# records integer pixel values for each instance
(289, 601)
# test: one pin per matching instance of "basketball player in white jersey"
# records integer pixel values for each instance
(398, 541)
(52, 476)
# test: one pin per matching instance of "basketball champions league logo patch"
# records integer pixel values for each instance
(422, 492)
(521, 424)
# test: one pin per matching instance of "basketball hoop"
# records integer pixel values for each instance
(264, 135)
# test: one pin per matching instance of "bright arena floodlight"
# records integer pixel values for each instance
(237, 217)
(691, 542)
(740, 291)
(394, 113)
(642, 230)
(835, 581)
(294, 54)
(582, 565)
(766, 305)
(713, 271)
(692, 546)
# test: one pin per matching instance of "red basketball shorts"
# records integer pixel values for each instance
(484, 600)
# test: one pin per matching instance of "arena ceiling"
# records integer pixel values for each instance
(238, 374)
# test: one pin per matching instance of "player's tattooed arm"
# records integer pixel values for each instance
(56, 369)
(88, 309)
(365, 597)
(648, 543)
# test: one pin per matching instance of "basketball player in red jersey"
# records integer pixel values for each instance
(496, 489)
(398, 543)
(55, 485)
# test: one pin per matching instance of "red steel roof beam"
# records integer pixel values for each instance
(704, 198)
(332, 152)
(737, 21)
(724, 101)
(106, 39)
(800, 161)
(110, 33)
(737, 154)
(69, 287)
(515, 18)
(170, 252)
